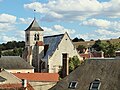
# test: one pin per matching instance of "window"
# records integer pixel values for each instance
(95, 85)
(36, 37)
(73, 85)
(27, 37)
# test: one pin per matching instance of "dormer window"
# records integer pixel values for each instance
(73, 85)
(36, 37)
(95, 85)
(2, 79)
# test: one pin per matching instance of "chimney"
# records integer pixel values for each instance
(0, 69)
(102, 54)
(24, 83)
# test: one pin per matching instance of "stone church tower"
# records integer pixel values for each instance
(34, 46)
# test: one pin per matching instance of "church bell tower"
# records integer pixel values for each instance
(34, 45)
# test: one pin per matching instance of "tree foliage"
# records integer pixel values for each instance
(98, 45)
(78, 40)
(12, 48)
(14, 52)
(12, 45)
(81, 48)
(107, 47)
(74, 62)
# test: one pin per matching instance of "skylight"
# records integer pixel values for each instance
(95, 85)
(73, 84)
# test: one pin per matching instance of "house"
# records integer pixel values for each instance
(8, 81)
(92, 54)
(8, 78)
(117, 53)
(93, 74)
(15, 87)
(49, 53)
(39, 81)
(15, 64)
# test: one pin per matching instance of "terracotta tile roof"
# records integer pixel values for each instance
(43, 77)
(15, 86)
(85, 55)
(39, 43)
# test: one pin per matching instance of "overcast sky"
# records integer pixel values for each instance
(87, 19)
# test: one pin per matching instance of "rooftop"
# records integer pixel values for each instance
(14, 62)
(107, 70)
(34, 26)
(43, 77)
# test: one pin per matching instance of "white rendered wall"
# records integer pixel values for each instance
(65, 46)
(20, 70)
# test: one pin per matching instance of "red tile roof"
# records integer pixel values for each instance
(15, 86)
(45, 77)
(39, 43)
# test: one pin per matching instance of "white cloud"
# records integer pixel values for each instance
(6, 18)
(8, 28)
(5, 38)
(7, 22)
(100, 34)
(57, 29)
(25, 21)
(104, 24)
(5, 27)
(75, 9)
(13, 36)
(97, 23)
(107, 33)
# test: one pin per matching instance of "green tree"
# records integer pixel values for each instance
(98, 45)
(74, 62)
(81, 39)
(107, 47)
(81, 48)
(75, 39)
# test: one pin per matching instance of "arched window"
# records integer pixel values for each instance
(36, 37)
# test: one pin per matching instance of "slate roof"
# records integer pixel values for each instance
(107, 70)
(9, 78)
(42, 77)
(34, 26)
(14, 62)
(53, 42)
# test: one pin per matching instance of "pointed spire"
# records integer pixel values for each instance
(34, 26)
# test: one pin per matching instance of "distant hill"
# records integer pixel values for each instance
(90, 43)
(12, 48)
(11, 45)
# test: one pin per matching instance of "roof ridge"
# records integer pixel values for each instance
(53, 35)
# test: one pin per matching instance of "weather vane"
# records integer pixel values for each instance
(34, 13)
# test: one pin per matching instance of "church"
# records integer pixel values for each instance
(48, 53)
